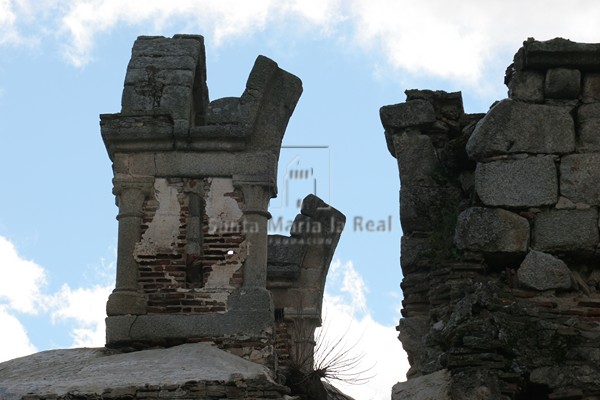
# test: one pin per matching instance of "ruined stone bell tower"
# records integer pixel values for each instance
(192, 181)
(206, 304)
(501, 247)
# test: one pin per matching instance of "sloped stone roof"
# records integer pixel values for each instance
(94, 370)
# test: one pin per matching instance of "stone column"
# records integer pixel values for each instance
(257, 192)
(126, 297)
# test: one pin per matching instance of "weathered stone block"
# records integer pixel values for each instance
(178, 100)
(583, 376)
(566, 230)
(562, 83)
(154, 46)
(146, 98)
(165, 62)
(527, 86)
(516, 127)
(289, 272)
(412, 114)
(542, 271)
(436, 385)
(226, 110)
(561, 52)
(530, 182)
(591, 88)
(412, 332)
(448, 105)
(183, 77)
(579, 177)
(417, 160)
(421, 208)
(139, 164)
(491, 230)
(412, 252)
(588, 116)
(123, 303)
(285, 250)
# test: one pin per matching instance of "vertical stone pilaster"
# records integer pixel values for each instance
(126, 297)
(257, 192)
(194, 224)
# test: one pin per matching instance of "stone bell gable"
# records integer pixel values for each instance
(206, 304)
(192, 180)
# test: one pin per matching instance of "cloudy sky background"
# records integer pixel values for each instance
(63, 62)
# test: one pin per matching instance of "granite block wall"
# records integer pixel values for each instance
(500, 247)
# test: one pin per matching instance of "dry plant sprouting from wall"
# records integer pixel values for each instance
(338, 359)
(323, 355)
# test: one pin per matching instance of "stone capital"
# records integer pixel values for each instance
(257, 191)
(143, 184)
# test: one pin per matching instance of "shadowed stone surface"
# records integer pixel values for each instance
(559, 52)
(415, 113)
(562, 83)
(591, 88)
(530, 182)
(582, 377)
(421, 208)
(580, 177)
(491, 230)
(527, 86)
(412, 250)
(568, 230)
(516, 127)
(588, 117)
(542, 271)
(416, 158)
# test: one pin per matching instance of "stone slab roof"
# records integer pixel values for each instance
(93, 370)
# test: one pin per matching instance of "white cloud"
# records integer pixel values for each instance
(325, 14)
(8, 30)
(421, 37)
(348, 323)
(457, 41)
(346, 289)
(86, 307)
(19, 292)
(22, 291)
(428, 39)
(15, 342)
(20, 288)
(223, 19)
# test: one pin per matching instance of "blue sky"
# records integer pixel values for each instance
(63, 62)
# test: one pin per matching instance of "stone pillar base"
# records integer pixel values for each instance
(249, 314)
(125, 302)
